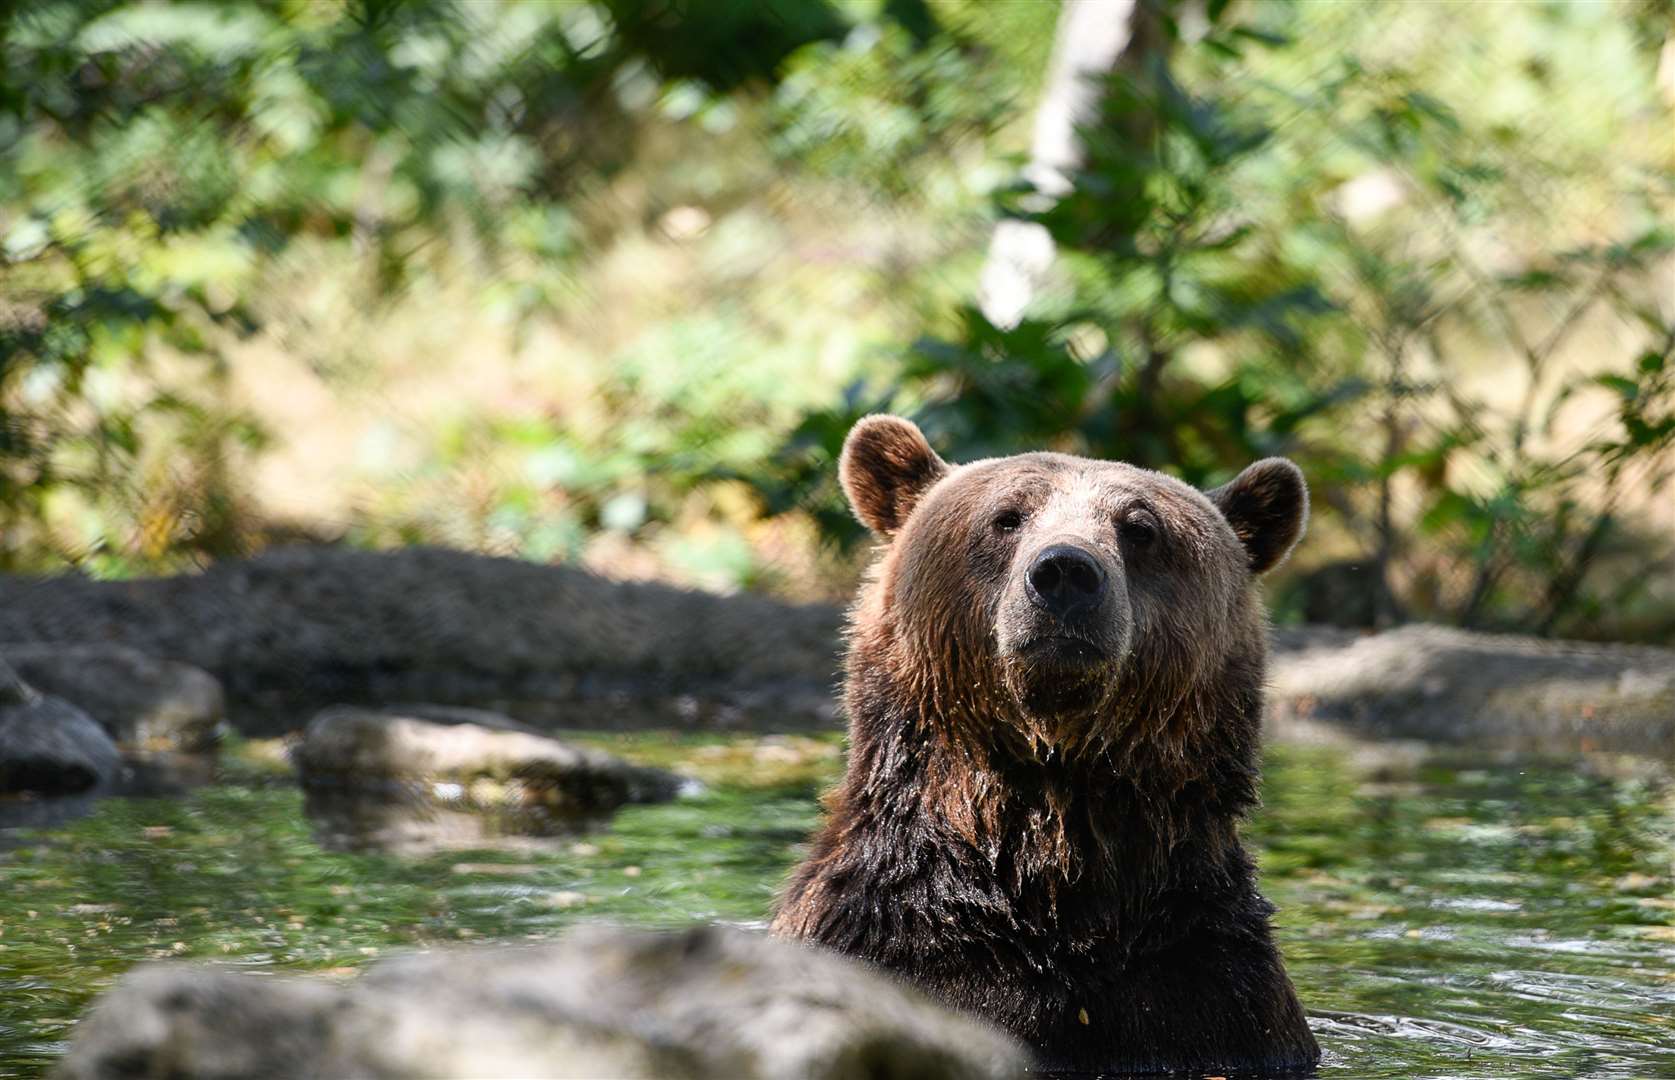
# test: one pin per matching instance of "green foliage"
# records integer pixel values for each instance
(1267, 255)
(1417, 247)
(724, 43)
(675, 414)
(164, 168)
(881, 103)
(156, 157)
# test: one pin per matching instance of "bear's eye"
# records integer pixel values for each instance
(1008, 521)
(1140, 528)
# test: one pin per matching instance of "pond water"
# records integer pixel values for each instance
(1442, 917)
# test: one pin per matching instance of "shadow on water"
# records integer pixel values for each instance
(1442, 917)
(153, 776)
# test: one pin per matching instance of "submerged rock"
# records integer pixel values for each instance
(428, 777)
(140, 700)
(702, 1004)
(48, 746)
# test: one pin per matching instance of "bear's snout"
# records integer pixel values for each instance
(1065, 581)
(1063, 628)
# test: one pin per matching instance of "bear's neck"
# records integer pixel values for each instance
(1129, 818)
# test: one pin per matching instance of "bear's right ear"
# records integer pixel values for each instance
(886, 465)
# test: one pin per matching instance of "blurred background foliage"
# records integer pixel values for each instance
(607, 282)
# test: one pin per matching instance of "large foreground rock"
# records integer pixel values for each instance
(295, 630)
(139, 700)
(1454, 686)
(425, 778)
(48, 746)
(708, 1003)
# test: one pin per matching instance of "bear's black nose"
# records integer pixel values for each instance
(1066, 580)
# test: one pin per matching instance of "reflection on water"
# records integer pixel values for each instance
(403, 819)
(159, 775)
(1441, 918)
(1502, 918)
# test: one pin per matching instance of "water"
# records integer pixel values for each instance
(1441, 917)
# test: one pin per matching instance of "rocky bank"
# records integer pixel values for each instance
(295, 630)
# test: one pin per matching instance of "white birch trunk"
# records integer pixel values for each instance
(1091, 35)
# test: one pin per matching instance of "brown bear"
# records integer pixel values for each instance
(1054, 690)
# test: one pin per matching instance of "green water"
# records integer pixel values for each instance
(1441, 918)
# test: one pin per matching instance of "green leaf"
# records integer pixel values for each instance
(1627, 388)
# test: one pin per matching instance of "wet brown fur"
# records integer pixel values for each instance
(1078, 876)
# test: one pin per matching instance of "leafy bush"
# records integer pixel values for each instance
(153, 161)
(1261, 258)
(1424, 249)
(174, 178)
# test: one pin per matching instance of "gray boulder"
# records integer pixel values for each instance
(48, 746)
(425, 777)
(140, 701)
(702, 1004)
(1456, 686)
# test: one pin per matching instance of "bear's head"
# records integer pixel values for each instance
(1056, 603)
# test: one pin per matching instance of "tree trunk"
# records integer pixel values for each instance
(1091, 35)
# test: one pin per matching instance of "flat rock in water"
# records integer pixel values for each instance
(140, 700)
(703, 1004)
(347, 745)
(424, 778)
(48, 746)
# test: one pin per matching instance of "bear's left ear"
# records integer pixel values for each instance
(886, 465)
(1268, 507)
